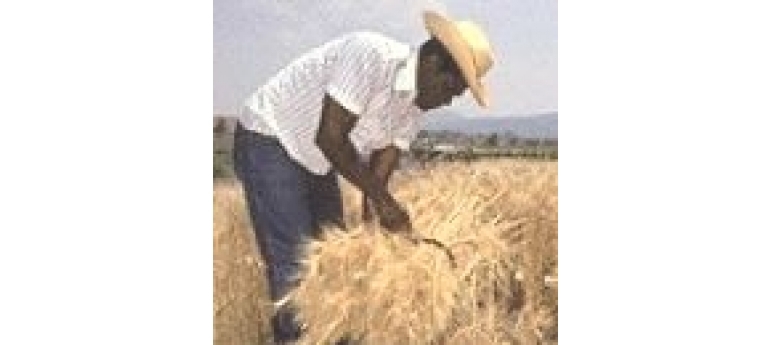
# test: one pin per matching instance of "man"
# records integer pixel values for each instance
(360, 95)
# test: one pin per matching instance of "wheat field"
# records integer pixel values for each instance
(491, 277)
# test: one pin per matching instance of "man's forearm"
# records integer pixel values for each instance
(382, 164)
(343, 156)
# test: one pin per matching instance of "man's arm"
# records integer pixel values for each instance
(382, 164)
(334, 141)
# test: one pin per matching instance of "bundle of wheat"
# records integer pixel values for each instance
(381, 288)
(484, 326)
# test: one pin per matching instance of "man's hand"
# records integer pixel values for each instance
(392, 216)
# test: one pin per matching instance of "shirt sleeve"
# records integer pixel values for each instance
(356, 76)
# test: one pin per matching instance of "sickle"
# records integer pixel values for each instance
(436, 243)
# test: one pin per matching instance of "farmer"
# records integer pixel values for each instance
(353, 100)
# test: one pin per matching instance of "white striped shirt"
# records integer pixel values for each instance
(370, 75)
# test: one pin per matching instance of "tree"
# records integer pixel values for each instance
(492, 140)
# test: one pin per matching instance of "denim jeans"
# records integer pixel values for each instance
(288, 205)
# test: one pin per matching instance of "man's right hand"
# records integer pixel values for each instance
(392, 216)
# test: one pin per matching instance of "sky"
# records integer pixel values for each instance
(253, 39)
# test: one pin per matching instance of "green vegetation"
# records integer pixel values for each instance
(223, 165)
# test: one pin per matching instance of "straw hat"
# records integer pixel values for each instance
(469, 47)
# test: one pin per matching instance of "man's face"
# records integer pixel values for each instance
(438, 82)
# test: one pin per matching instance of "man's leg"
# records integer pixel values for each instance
(277, 193)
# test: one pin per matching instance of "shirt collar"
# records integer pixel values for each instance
(406, 77)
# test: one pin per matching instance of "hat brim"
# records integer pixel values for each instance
(446, 32)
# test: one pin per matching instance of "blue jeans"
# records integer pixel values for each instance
(288, 205)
